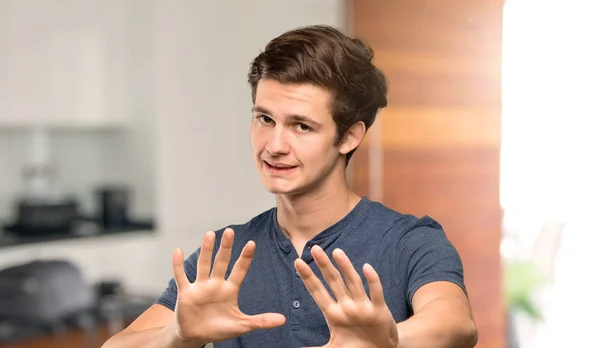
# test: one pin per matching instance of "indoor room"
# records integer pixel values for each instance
(125, 133)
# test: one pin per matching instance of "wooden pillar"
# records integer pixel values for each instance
(436, 147)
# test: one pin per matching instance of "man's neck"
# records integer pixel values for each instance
(302, 217)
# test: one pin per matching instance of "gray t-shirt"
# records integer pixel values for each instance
(406, 252)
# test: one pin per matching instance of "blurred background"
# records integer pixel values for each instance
(124, 133)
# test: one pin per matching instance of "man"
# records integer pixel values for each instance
(398, 280)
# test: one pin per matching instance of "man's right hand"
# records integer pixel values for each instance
(207, 310)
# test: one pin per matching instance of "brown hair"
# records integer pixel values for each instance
(324, 56)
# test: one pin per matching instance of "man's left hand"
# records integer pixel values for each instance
(354, 319)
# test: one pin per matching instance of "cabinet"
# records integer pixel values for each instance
(63, 63)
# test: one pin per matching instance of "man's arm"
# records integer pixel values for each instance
(153, 329)
(443, 318)
(206, 308)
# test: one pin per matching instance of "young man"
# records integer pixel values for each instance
(398, 280)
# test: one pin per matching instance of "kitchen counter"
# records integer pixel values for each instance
(9, 238)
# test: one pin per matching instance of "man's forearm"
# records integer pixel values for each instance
(441, 323)
(162, 337)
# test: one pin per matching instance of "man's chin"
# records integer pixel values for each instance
(278, 191)
(282, 190)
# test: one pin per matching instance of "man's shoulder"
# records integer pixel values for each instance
(398, 223)
(256, 224)
(261, 220)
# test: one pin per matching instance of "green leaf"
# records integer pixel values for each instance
(521, 279)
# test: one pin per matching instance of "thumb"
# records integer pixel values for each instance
(265, 321)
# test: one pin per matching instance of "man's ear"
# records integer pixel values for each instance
(353, 137)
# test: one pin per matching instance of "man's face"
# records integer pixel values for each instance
(292, 137)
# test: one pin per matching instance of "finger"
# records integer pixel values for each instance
(242, 265)
(352, 278)
(375, 288)
(205, 258)
(223, 255)
(264, 321)
(330, 273)
(178, 270)
(313, 284)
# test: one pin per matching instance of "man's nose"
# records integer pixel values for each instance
(277, 143)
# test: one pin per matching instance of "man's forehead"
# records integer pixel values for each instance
(300, 92)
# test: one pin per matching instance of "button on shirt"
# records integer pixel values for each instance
(405, 251)
(304, 311)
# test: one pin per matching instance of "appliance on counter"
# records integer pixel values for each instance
(36, 217)
(113, 203)
(112, 214)
(45, 208)
(42, 218)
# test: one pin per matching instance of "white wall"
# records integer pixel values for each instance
(85, 157)
(194, 60)
(89, 157)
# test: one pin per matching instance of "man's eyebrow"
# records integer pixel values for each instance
(293, 117)
(303, 119)
(261, 110)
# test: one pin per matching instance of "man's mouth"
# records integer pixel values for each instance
(279, 168)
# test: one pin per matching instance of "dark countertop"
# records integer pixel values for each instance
(10, 238)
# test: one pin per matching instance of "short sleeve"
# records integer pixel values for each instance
(169, 296)
(426, 255)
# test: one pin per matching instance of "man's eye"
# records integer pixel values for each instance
(302, 127)
(264, 119)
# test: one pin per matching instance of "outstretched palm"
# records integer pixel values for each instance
(207, 310)
(354, 320)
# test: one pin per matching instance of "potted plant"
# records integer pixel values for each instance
(521, 279)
